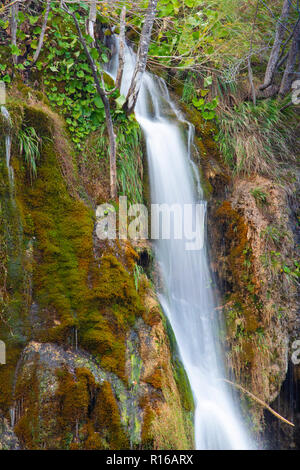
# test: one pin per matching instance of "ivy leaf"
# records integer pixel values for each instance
(198, 103)
(34, 44)
(4, 24)
(120, 101)
(98, 102)
(204, 92)
(208, 115)
(21, 17)
(207, 81)
(6, 78)
(190, 3)
(94, 53)
(33, 20)
(15, 50)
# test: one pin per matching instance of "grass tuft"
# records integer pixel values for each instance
(29, 145)
(257, 139)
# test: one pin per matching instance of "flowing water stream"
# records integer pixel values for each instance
(187, 298)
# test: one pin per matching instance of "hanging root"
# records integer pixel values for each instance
(258, 400)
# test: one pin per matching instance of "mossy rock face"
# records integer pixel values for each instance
(69, 290)
(64, 400)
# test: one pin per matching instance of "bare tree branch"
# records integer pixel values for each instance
(287, 78)
(14, 26)
(41, 39)
(286, 43)
(121, 48)
(250, 73)
(141, 58)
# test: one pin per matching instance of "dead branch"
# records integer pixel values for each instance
(258, 400)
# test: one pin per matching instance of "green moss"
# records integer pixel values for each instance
(184, 388)
(73, 290)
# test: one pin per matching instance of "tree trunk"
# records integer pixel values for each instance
(275, 53)
(288, 75)
(141, 59)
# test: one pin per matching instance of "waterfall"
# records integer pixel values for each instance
(187, 298)
(6, 116)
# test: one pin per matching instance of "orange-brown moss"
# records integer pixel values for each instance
(147, 437)
(106, 418)
(155, 379)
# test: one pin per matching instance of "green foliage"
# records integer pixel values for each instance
(69, 80)
(259, 196)
(207, 108)
(29, 145)
(272, 234)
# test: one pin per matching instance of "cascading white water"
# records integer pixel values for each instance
(6, 116)
(187, 298)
